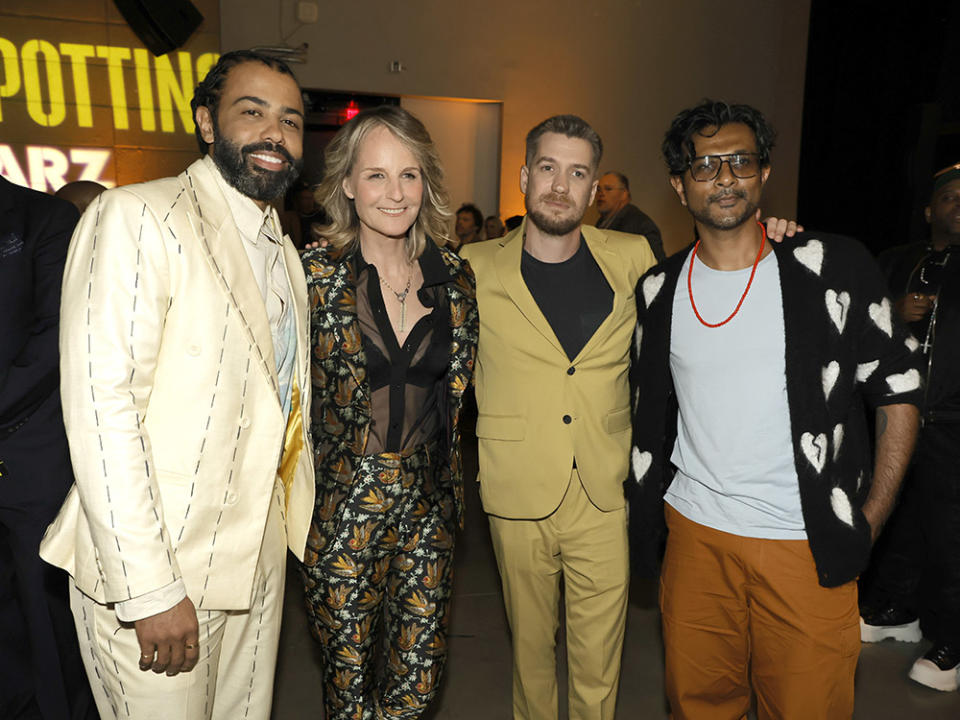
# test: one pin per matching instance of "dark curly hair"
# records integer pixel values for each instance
(473, 210)
(210, 89)
(678, 146)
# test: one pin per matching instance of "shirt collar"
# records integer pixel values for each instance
(435, 270)
(247, 215)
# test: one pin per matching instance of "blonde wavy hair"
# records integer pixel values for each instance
(433, 220)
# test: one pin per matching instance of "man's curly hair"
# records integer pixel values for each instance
(678, 145)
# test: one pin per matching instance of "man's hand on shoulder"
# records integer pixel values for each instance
(779, 228)
(169, 641)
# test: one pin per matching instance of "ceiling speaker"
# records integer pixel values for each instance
(162, 25)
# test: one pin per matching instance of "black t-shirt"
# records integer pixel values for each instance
(573, 295)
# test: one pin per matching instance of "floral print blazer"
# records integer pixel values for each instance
(340, 420)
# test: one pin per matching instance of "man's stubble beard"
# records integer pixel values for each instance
(550, 225)
(727, 222)
(254, 182)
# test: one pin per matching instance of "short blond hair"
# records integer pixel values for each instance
(433, 220)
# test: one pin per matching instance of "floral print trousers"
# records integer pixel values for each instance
(378, 598)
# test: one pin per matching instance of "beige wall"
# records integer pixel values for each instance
(467, 136)
(627, 66)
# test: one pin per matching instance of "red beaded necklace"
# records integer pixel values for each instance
(743, 297)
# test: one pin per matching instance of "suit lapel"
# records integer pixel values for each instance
(613, 269)
(223, 249)
(507, 263)
(340, 304)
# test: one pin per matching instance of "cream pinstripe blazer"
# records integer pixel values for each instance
(170, 398)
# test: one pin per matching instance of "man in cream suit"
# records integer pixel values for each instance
(556, 319)
(185, 386)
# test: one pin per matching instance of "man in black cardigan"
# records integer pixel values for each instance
(751, 366)
(40, 670)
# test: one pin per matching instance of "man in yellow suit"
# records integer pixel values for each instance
(557, 314)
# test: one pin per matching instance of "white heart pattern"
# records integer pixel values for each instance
(829, 374)
(837, 440)
(811, 256)
(880, 314)
(815, 450)
(904, 382)
(651, 286)
(837, 307)
(641, 463)
(865, 370)
(912, 343)
(841, 506)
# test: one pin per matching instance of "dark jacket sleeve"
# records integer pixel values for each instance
(35, 232)
(638, 222)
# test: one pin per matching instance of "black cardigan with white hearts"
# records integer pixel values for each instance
(844, 348)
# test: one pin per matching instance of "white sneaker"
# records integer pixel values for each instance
(908, 632)
(938, 669)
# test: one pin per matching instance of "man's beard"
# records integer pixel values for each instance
(255, 182)
(549, 224)
(725, 222)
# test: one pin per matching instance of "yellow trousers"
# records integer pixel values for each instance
(587, 547)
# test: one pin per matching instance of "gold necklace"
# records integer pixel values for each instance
(401, 297)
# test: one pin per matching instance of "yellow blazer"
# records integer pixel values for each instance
(171, 399)
(526, 385)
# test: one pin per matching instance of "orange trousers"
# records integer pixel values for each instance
(738, 611)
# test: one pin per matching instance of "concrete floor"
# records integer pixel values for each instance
(478, 676)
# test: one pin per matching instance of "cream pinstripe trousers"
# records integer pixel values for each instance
(233, 679)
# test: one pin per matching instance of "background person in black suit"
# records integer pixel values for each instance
(41, 675)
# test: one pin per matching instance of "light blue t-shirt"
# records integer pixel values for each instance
(734, 451)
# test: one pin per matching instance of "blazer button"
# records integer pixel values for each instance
(567, 419)
(571, 370)
(245, 422)
(231, 498)
(193, 350)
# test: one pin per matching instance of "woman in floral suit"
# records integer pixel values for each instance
(394, 331)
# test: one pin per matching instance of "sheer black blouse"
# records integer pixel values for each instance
(406, 382)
